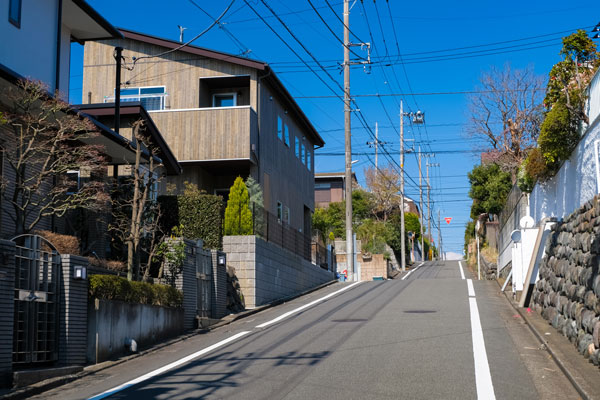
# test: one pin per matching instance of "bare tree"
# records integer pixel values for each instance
(384, 185)
(508, 113)
(136, 214)
(41, 140)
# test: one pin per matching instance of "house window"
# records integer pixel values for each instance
(151, 97)
(279, 128)
(322, 186)
(73, 182)
(224, 100)
(286, 215)
(14, 12)
(279, 211)
(303, 153)
(286, 135)
(297, 146)
(308, 159)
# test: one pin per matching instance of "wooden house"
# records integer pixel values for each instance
(222, 115)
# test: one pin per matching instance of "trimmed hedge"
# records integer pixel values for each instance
(200, 214)
(111, 287)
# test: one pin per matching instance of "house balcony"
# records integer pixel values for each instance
(209, 135)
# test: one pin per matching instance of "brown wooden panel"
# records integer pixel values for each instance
(208, 134)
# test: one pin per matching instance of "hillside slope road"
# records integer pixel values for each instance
(433, 335)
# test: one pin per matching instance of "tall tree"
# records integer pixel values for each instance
(490, 187)
(136, 213)
(42, 140)
(238, 218)
(507, 112)
(384, 186)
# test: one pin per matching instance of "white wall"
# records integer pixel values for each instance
(575, 183)
(31, 49)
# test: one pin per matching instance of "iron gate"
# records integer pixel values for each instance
(203, 277)
(37, 274)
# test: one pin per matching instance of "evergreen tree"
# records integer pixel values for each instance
(238, 218)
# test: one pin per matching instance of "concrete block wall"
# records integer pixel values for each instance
(219, 281)
(268, 272)
(7, 284)
(376, 265)
(73, 313)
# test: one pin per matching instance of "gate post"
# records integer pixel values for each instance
(72, 347)
(219, 283)
(7, 289)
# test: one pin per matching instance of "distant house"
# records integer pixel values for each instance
(330, 187)
(223, 116)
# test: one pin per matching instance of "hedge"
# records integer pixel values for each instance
(111, 287)
(200, 214)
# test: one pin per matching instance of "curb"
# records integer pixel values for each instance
(48, 384)
(582, 392)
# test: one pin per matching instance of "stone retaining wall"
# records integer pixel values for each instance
(568, 291)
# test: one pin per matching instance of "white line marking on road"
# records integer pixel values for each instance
(411, 271)
(483, 378)
(470, 288)
(312, 303)
(168, 367)
(462, 273)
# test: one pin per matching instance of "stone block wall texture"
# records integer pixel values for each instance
(568, 291)
(72, 313)
(7, 294)
(376, 265)
(219, 292)
(267, 272)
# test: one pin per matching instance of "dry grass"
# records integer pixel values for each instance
(112, 265)
(65, 244)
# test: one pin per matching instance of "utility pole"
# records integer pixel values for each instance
(402, 239)
(348, 145)
(428, 211)
(421, 206)
(376, 145)
(118, 57)
(439, 237)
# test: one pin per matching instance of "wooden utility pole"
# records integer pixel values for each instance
(439, 237)
(402, 239)
(348, 145)
(428, 211)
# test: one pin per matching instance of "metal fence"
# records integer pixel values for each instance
(272, 229)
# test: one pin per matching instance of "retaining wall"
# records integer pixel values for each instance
(267, 272)
(568, 292)
(111, 323)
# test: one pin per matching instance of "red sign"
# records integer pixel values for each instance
(448, 219)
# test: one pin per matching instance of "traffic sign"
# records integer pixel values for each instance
(448, 219)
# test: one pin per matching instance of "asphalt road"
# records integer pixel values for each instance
(414, 338)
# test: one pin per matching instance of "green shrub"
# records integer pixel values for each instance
(112, 287)
(558, 136)
(238, 217)
(200, 215)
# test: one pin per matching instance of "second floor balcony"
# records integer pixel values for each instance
(209, 134)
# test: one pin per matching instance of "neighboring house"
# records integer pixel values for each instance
(223, 116)
(330, 187)
(37, 38)
(37, 35)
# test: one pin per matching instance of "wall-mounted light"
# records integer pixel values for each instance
(79, 272)
(221, 260)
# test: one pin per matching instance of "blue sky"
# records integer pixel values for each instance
(419, 49)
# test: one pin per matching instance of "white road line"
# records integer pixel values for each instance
(462, 273)
(312, 303)
(168, 367)
(411, 271)
(470, 288)
(483, 378)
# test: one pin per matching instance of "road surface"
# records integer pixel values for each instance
(435, 334)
